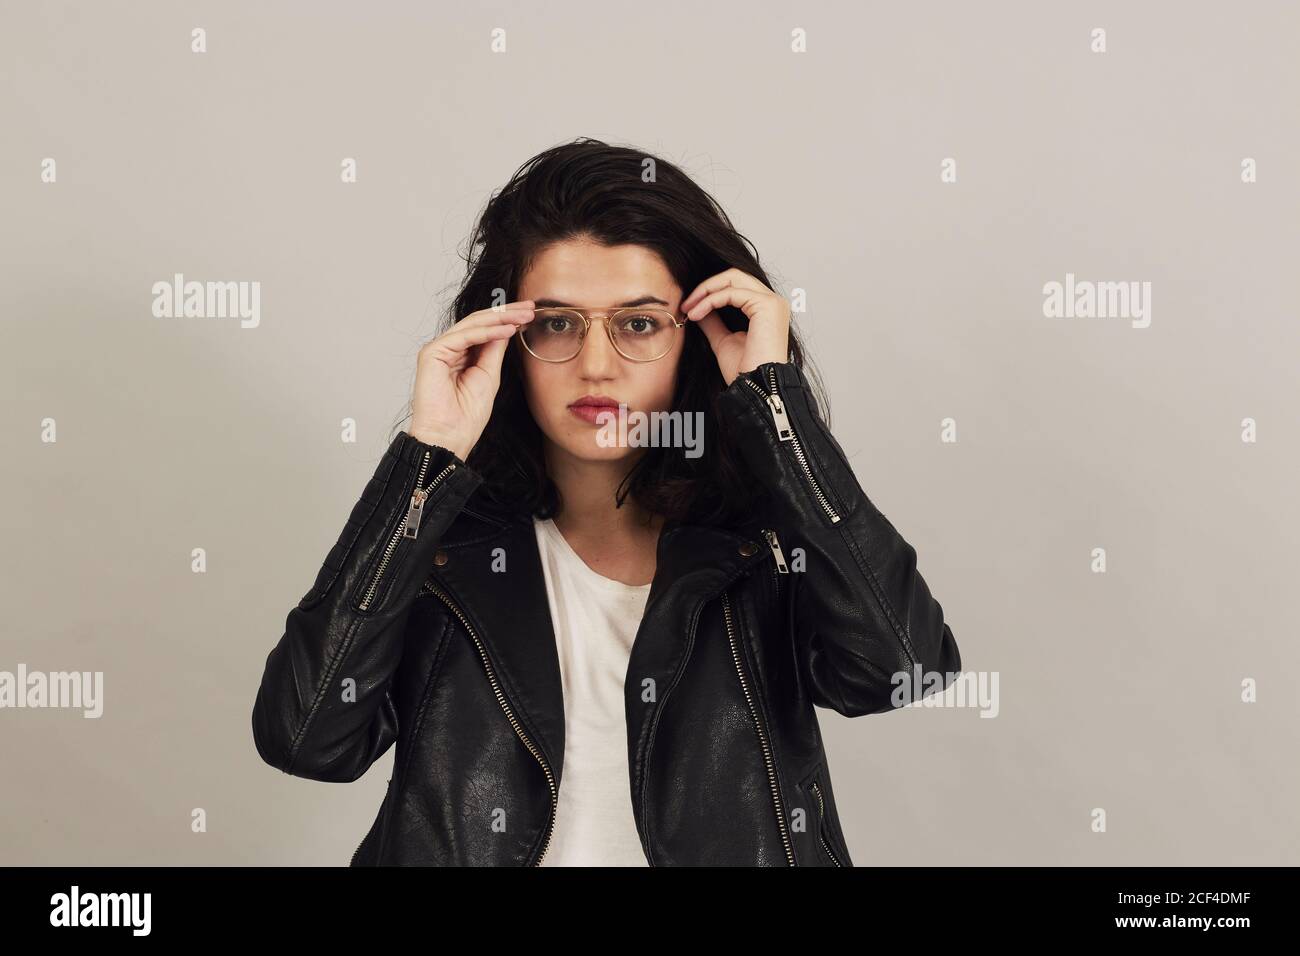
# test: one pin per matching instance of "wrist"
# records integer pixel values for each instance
(456, 447)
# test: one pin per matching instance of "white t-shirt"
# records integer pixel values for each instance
(595, 620)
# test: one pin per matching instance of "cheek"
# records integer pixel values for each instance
(658, 386)
(667, 376)
(545, 387)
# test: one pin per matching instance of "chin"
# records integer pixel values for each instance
(586, 448)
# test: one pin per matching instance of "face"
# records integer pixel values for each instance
(585, 274)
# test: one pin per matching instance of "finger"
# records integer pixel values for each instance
(518, 303)
(728, 277)
(507, 318)
(513, 315)
(730, 295)
(714, 329)
(711, 284)
(509, 313)
(450, 346)
(489, 359)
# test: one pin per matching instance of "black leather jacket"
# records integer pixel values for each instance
(428, 626)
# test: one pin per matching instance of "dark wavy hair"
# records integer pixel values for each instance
(587, 189)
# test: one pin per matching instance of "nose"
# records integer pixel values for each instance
(598, 358)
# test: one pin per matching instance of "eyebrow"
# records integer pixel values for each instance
(557, 304)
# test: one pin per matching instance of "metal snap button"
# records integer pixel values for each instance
(748, 548)
(440, 558)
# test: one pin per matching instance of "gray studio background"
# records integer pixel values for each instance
(1118, 691)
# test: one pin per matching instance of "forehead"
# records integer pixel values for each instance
(580, 272)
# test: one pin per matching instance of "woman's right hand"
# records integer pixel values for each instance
(457, 376)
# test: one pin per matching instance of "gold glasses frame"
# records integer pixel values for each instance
(610, 315)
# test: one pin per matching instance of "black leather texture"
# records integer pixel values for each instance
(441, 645)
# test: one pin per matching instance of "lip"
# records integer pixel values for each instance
(594, 401)
(589, 406)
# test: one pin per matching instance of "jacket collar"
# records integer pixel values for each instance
(510, 613)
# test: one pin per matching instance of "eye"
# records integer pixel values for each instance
(639, 324)
(558, 324)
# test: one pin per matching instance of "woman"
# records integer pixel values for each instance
(592, 642)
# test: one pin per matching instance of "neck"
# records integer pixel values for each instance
(587, 491)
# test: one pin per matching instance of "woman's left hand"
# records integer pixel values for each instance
(768, 337)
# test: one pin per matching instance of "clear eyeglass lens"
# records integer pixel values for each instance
(641, 334)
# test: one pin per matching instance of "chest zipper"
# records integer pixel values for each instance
(505, 706)
(408, 528)
(779, 566)
(821, 823)
(762, 734)
(654, 723)
(785, 432)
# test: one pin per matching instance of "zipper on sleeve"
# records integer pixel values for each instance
(414, 514)
(409, 527)
(786, 433)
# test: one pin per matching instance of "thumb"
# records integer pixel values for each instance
(714, 329)
(490, 357)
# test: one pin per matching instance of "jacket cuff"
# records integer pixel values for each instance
(414, 523)
(383, 511)
(787, 445)
(409, 449)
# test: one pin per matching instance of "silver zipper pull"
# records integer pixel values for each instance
(775, 545)
(783, 429)
(414, 513)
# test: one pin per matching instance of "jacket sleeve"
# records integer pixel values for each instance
(323, 710)
(863, 615)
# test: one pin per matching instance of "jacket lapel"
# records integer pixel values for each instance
(510, 613)
(695, 564)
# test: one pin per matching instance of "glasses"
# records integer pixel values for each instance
(638, 334)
